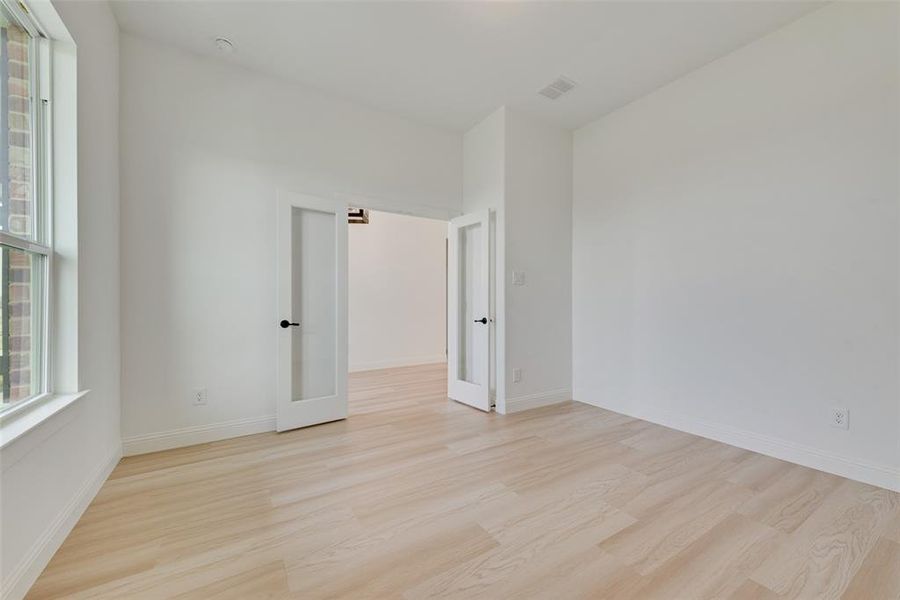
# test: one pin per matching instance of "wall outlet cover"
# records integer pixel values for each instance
(840, 418)
(199, 398)
(517, 375)
(518, 277)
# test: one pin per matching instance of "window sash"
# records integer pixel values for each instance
(14, 241)
(34, 330)
(39, 243)
(38, 51)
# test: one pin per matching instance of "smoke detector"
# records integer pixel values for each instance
(224, 45)
(557, 88)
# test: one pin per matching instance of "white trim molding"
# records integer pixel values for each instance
(198, 434)
(520, 403)
(883, 476)
(20, 420)
(23, 576)
(398, 362)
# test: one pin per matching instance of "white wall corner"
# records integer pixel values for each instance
(23, 575)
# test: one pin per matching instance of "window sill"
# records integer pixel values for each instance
(14, 426)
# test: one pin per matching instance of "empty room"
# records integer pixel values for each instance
(442, 299)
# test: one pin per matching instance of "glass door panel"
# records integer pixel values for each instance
(313, 304)
(470, 309)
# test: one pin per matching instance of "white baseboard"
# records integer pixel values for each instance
(23, 576)
(397, 362)
(874, 474)
(199, 434)
(520, 403)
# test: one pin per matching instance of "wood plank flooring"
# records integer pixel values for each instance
(415, 496)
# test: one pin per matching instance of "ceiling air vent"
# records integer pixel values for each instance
(557, 88)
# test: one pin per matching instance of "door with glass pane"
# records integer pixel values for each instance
(468, 304)
(312, 311)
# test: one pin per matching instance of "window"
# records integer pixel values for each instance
(25, 249)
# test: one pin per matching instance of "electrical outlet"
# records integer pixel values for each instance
(199, 397)
(517, 375)
(518, 277)
(840, 418)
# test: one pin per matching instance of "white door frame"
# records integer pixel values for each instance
(289, 414)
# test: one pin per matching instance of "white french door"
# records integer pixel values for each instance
(312, 311)
(469, 321)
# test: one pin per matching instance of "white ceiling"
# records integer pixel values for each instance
(449, 64)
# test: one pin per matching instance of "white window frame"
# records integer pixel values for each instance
(42, 224)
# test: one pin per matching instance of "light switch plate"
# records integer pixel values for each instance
(518, 277)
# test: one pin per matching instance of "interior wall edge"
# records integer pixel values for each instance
(410, 361)
(879, 475)
(23, 575)
(198, 434)
(537, 400)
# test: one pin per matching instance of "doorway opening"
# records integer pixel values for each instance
(397, 307)
(367, 291)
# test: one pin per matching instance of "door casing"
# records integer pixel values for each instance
(292, 414)
(476, 395)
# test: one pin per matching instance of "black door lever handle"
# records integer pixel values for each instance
(482, 320)
(285, 324)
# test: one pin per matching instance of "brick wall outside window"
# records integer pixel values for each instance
(19, 215)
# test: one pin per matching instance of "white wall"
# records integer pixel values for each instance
(484, 188)
(538, 244)
(522, 168)
(205, 145)
(50, 474)
(397, 291)
(484, 163)
(736, 247)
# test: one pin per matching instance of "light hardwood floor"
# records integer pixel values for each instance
(415, 496)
